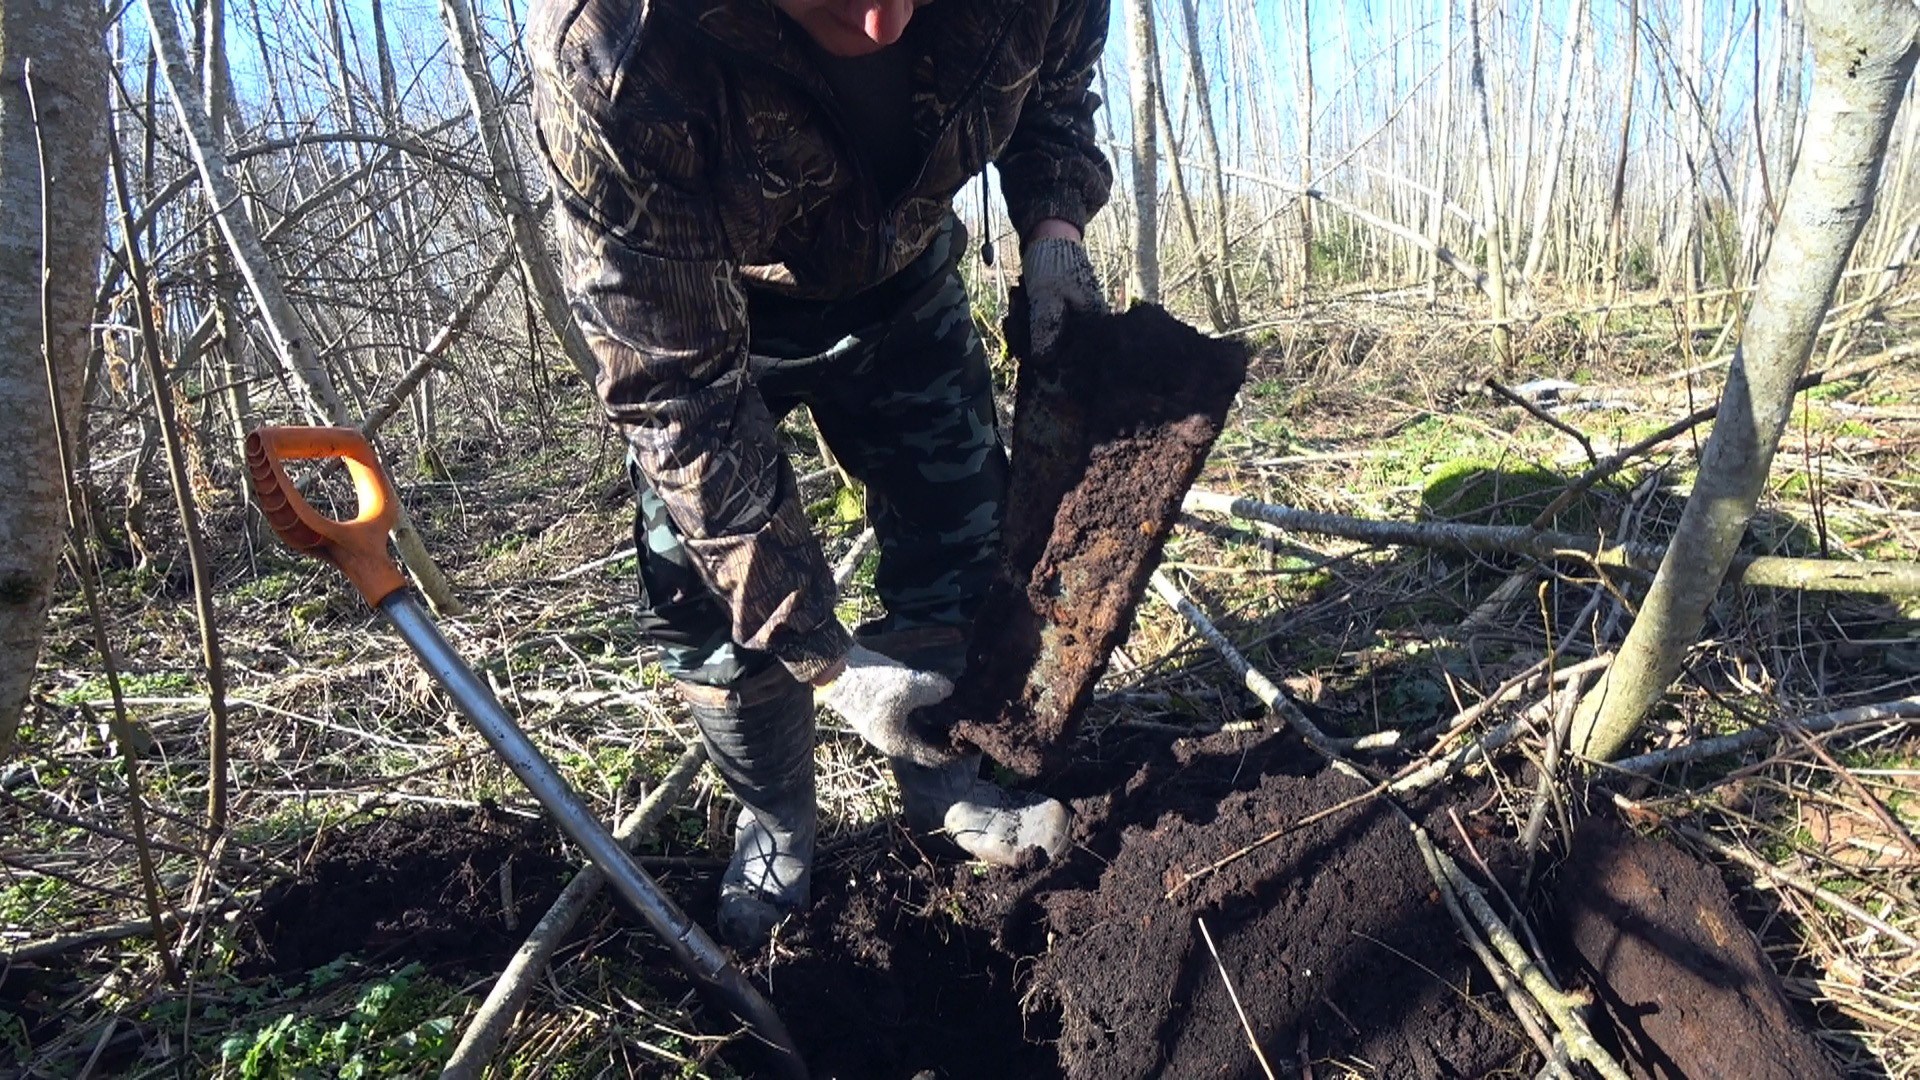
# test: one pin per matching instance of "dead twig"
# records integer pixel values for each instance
(198, 564)
(1560, 1007)
(515, 985)
(1245, 1024)
(1524, 1008)
(1241, 853)
(1894, 826)
(85, 568)
(1547, 418)
(1838, 720)
(1761, 571)
(1543, 796)
(1262, 686)
(1774, 873)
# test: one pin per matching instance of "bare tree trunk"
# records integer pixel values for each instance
(1306, 142)
(213, 663)
(282, 322)
(1437, 207)
(1556, 142)
(1490, 194)
(43, 335)
(1210, 143)
(1145, 284)
(540, 271)
(1864, 54)
(225, 348)
(1209, 285)
(1616, 199)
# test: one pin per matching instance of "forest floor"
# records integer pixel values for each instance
(380, 864)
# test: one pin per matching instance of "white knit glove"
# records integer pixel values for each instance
(1058, 279)
(875, 694)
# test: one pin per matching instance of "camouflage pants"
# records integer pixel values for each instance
(899, 388)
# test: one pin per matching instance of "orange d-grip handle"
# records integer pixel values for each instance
(357, 547)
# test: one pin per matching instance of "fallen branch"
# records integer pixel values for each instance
(1524, 1007)
(1559, 1006)
(60, 944)
(1533, 678)
(1858, 716)
(1263, 687)
(430, 356)
(516, 983)
(1427, 772)
(1764, 571)
(1618, 460)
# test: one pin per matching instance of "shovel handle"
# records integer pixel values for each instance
(358, 547)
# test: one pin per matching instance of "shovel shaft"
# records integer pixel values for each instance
(691, 946)
(359, 548)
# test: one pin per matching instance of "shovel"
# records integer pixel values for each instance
(359, 549)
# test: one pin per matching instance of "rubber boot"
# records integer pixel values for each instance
(759, 735)
(987, 821)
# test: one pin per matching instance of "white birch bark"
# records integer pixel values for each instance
(284, 327)
(1306, 142)
(1864, 53)
(542, 276)
(1210, 145)
(67, 48)
(1437, 151)
(1576, 25)
(1489, 189)
(1144, 61)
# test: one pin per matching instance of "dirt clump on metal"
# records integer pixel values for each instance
(1108, 433)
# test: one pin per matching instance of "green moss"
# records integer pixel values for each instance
(1484, 493)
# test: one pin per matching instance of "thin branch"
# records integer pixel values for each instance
(515, 985)
(1233, 996)
(1763, 571)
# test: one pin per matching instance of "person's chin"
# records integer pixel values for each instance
(840, 39)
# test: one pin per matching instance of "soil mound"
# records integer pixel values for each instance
(1331, 934)
(428, 886)
(1686, 987)
(1334, 941)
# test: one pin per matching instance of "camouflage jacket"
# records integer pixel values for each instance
(693, 146)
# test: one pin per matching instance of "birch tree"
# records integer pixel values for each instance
(1489, 187)
(541, 275)
(283, 323)
(1210, 142)
(1145, 283)
(1863, 57)
(43, 335)
(1556, 141)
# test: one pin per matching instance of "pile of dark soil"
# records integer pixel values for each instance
(1341, 954)
(1331, 935)
(456, 886)
(1686, 988)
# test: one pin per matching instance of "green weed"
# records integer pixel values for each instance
(400, 1025)
(153, 684)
